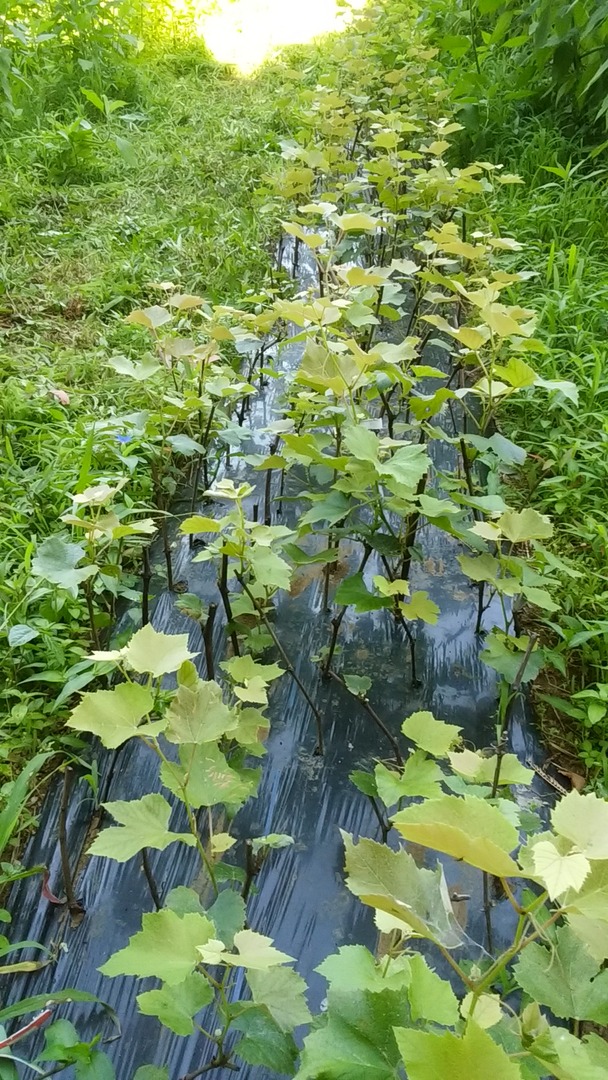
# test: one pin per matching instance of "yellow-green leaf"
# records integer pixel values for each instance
(434, 736)
(465, 828)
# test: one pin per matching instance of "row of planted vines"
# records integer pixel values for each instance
(334, 433)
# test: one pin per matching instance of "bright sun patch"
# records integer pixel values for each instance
(247, 32)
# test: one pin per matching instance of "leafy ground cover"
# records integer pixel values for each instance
(102, 209)
(533, 94)
(99, 431)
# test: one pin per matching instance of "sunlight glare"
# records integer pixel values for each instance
(247, 32)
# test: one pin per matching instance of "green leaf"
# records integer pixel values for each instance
(282, 991)
(357, 1041)
(56, 561)
(175, 1005)
(583, 819)
(330, 509)
(198, 714)
(15, 803)
(420, 606)
(116, 715)
(465, 828)
(207, 777)
(358, 222)
(591, 900)
(243, 668)
(364, 782)
(362, 443)
(166, 947)
(271, 840)
(97, 1067)
(354, 968)
(126, 150)
(264, 1043)
(154, 653)
(143, 823)
(357, 684)
(228, 915)
(151, 1072)
(139, 370)
(392, 882)
(528, 524)
(407, 466)
(352, 590)
(199, 524)
(20, 634)
(474, 1055)
(93, 98)
(151, 317)
(184, 901)
(420, 777)
(479, 769)
(557, 870)
(565, 978)
(434, 736)
(569, 1058)
(505, 655)
(253, 951)
(431, 998)
(269, 569)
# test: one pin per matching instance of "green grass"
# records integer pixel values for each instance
(87, 237)
(559, 214)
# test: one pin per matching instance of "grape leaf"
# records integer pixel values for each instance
(176, 1005)
(143, 823)
(569, 1058)
(357, 1041)
(557, 871)
(431, 997)
(565, 978)
(477, 768)
(583, 819)
(391, 881)
(353, 590)
(198, 714)
(420, 777)
(358, 222)
(166, 947)
(528, 524)
(472, 1056)
(254, 951)
(354, 968)
(465, 828)
(228, 915)
(434, 736)
(243, 668)
(591, 900)
(264, 1043)
(116, 715)
(157, 654)
(207, 777)
(282, 991)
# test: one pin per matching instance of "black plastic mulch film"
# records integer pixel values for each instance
(301, 900)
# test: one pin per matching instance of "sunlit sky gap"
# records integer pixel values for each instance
(247, 32)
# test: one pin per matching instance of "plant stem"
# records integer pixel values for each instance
(378, 721)
(208, 641)
(501, 748)
(74, 906)
(147, 869)
(146, 578)
(223, 591)
(337, 620)
(319, 749)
